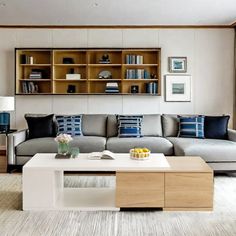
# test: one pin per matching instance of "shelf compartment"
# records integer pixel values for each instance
(78, 56)
(149, 56)
(60, 87)
(44, 87)
(114, 56)
(99, 87)
(60, 72)
(93, 72)
(69, 80)
(39, 56)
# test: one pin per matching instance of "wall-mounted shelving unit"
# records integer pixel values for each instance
(44, 71)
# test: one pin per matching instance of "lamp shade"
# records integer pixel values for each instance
(7, 104)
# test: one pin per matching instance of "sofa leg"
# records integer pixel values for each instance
(14, 168)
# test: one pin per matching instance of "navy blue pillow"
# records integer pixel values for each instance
(216, 127)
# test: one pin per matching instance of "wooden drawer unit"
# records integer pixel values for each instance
(189, 190)
(139, 189)
(3, 161)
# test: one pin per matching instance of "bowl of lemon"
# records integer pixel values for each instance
(139, 153)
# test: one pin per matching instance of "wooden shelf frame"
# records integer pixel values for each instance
(86, 63)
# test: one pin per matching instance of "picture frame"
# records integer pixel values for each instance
(178, 88)
(177, 64)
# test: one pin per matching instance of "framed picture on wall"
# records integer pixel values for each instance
(178, 88)
(177, 64)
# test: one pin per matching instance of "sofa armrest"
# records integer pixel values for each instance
(14, 139)
(232, 135)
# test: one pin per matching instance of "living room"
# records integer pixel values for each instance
(148, 84)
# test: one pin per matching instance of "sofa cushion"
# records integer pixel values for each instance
(151, 125)
(69, 124)
(94, 125)
(49, 145)
(129, 126)
(155, 144)
(216, 127)
(41, 126)
(170, 125)
(211, 150)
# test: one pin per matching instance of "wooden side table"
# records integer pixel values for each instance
(3, 159)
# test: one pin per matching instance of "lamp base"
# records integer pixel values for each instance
(4, 122)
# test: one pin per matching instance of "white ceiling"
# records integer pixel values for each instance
(117, 12)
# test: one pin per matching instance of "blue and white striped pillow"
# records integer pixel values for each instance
(129, 126)
(191, 127)
(70, 125)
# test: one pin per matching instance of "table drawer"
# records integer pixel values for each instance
(189, 190)
(140, 189)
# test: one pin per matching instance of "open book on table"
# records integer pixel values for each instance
(101, 155)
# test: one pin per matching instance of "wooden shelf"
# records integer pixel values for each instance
(69, 80)
(70, 65)
(49, 62)
(43, 65)
(104, 65)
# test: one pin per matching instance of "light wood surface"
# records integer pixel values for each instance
(193, 190)
(3, 161)
(139, 189)
(86, 63)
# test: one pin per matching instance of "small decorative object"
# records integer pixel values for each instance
(105, 74)
(71, 71)
(68, 60)
(178, 64)
(153, 76)
(139, 153)
(63, 145)
(73, 76)
(71, 88)
(74, 152)
(178, 88)
(134, 89)
(105, 59)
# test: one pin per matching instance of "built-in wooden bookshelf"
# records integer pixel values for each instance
(45, 71)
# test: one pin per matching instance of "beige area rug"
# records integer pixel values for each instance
(13, 221)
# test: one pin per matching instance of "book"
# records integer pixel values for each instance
(106, 155)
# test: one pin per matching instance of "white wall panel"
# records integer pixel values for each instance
(34, 38)
(105, 38)
(109, 104)
(70, 38)
(143, 38)
(69, 104)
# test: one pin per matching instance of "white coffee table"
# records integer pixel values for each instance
(169, 183)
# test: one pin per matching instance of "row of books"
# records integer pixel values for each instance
(112, 88)
(25, 59)
(29, 87)
(137, 74)
(152, 88)
(134, 59)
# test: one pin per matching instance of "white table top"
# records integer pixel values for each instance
(123, 162)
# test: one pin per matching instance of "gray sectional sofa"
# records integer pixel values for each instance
(159, 135)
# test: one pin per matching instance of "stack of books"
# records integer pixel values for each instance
(152, 88)
(112, 88)
(35, 75)
(137, 74)
(134, 59)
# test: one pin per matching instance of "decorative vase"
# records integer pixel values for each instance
(63, 148)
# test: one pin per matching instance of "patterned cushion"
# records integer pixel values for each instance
(129, 126)
(191, 127)
(70, 125)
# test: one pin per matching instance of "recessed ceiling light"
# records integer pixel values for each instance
(95, 4)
